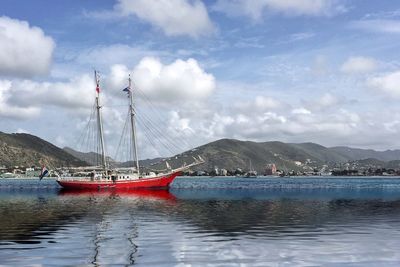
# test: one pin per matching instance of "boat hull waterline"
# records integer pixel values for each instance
(159, 182)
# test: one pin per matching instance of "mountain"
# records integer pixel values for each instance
(27, 150)
(20, 149)
(93, 159)
(142, 162)
(231, 154)
(358, 153)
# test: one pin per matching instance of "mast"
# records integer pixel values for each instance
(133, 126)
(99, 122)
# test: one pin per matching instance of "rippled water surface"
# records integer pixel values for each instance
(204, 222)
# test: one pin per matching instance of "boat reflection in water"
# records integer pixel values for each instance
(59, 227)
(126, 193)
(115, 232)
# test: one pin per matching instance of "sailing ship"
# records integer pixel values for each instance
(104, 176)
(251, 173)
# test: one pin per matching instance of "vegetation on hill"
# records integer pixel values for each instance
(231, 154)
(20, 149)
(28, 150)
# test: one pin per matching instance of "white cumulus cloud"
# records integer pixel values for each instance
(174, 17)
(355, 65)
(387, 83)
(255, 8)
(8, 110)
(76, 93)
(24, 99)
(180, 80)
(326, 101)
(24, 50)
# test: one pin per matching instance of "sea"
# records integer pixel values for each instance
(203, 221)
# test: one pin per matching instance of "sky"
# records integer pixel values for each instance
(323, 71)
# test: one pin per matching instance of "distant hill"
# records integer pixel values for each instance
(93, 159)
(25, 149)
(20, 149)
(358, 153)
(143, 162)
(231, 154)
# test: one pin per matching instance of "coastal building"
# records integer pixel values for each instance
(223, 172)
(270, 169)
(3, 169)
(32, 172)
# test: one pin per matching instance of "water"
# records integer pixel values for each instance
(204, 222)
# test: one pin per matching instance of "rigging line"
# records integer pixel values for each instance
(160, 133)
(150, 141)
(157, 113)
(166, 134)
(155, 110)
(92, 142)
(122, 135)
(154, 135)
(85, 130)
(87, 145)
(113, 106)
(129, 138)
(151, 105)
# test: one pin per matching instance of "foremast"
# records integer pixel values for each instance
(100, 123)
(133, 126)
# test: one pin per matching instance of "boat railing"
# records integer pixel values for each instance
(81, 178)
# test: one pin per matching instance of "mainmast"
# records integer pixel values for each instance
(99, 122)
(133, 126)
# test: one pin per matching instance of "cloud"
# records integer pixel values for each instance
(264, 118)
(254, 9)
(377, 25)
(173, 17)
(21, 130)
(24, 50)
(8, 110)
(354, 65)
(320, 66)
(259, 104)
(75, 93)
(327, 100)
(302, 111)
(296, 125)
(24, 99)
(300, 36)
(388, 84)
(182, 80)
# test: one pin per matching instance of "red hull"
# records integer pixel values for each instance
(161, 182)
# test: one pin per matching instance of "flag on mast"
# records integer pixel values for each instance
(97, 80)
(128, 90)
